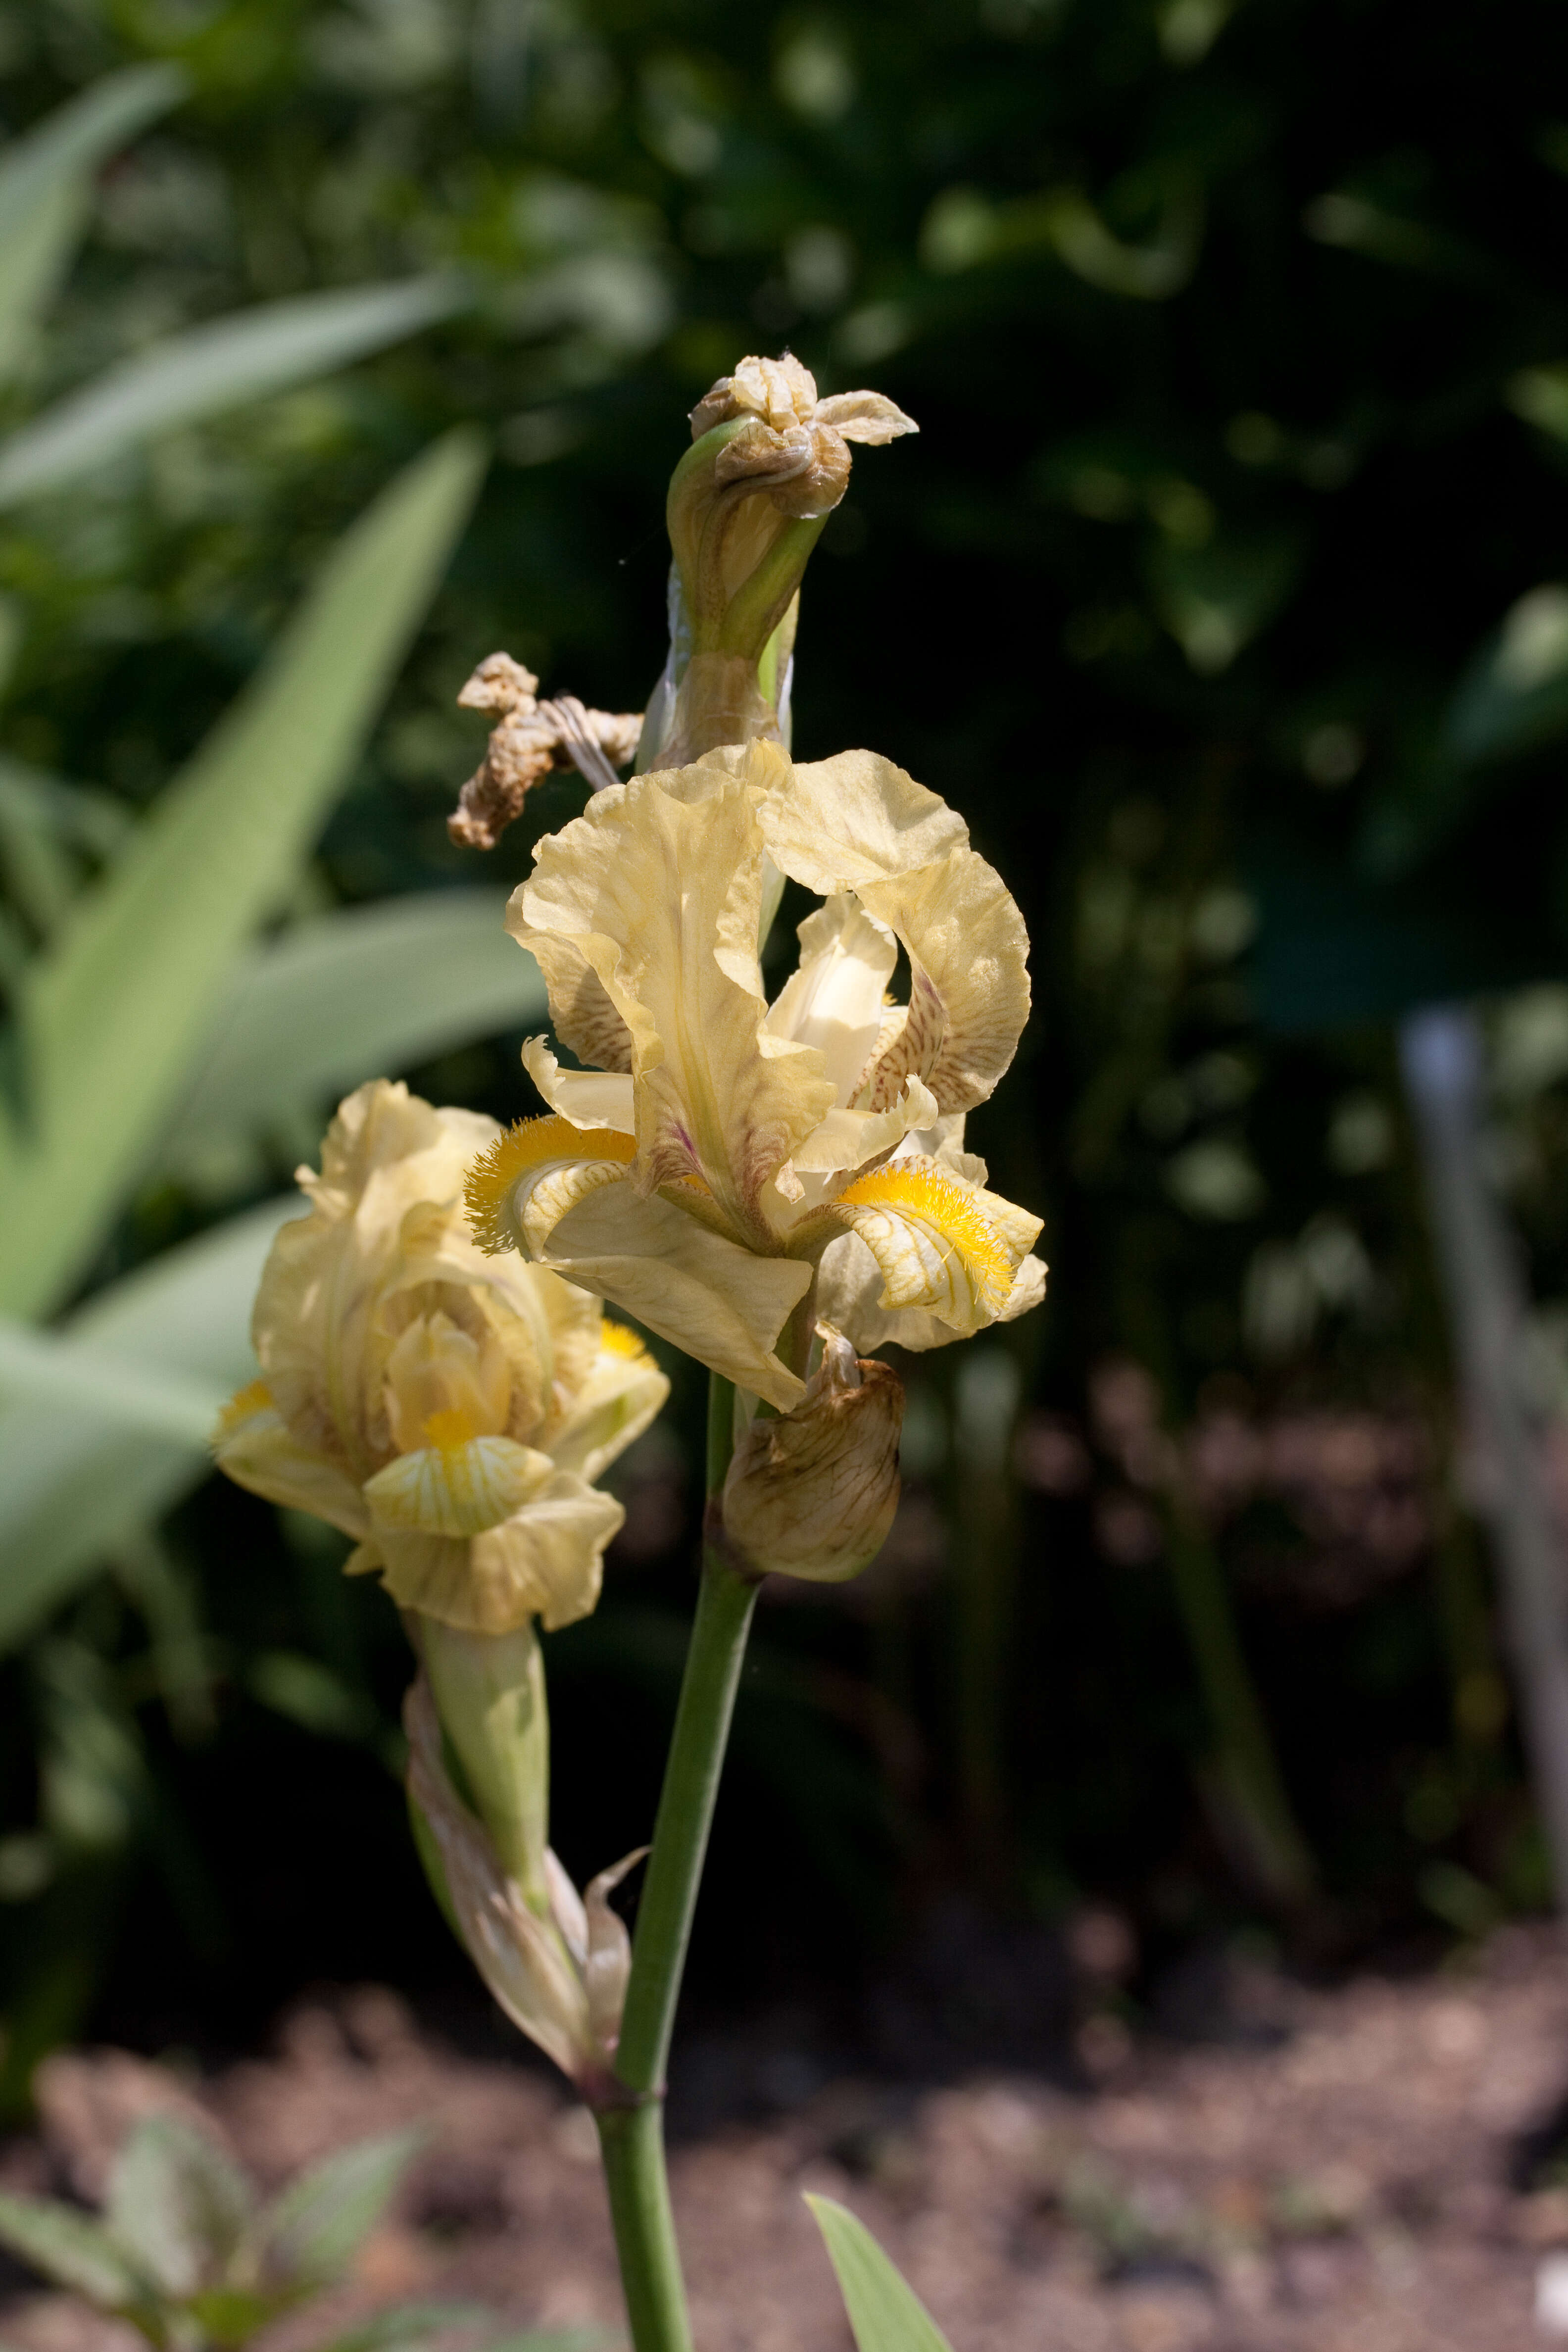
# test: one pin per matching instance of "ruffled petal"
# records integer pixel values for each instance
(614, 1405)
(258, 1450)
(832, 824)
(659, 886)
(968, 977)
(587, 1098)
(545, 1561)
(704, 1293)
(941, 1244)
(315, 1321)
(581, 1011)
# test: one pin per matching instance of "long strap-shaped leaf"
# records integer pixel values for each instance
(75, 1478)
(885, 2313)
(359, 993)
(113, 1015)
(214, 367)
(45, 179)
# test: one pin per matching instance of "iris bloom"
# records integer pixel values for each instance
(723, 1153)
(447, 1409)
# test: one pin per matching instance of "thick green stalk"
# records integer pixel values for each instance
(632, 2134)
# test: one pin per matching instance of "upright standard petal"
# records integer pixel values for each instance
(658, 886)
(834, 999)
(315, 1323)
(832, 824)
(969, 980)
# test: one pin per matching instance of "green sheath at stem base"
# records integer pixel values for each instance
(632, 2137)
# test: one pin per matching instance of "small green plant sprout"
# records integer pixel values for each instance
(885, 2313)
(186, 2251)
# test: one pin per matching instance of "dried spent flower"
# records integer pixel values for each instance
(529, 740)
(768, 463)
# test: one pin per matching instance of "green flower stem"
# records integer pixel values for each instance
(632, 2134)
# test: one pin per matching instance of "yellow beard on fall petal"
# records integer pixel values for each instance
(495, 1175)
(950, 1215)
(254, 1398)
(615, 1340)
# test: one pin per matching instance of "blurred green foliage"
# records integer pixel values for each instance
(1221, 591)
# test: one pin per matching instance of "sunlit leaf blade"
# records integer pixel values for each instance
(212, 368)
(73, 1481)
(66, 2247)
(176, 2204)
(367, 990)
(315, 2227)
(885, 2313)
(114, 1015)
(45, 179)
(36, 1365)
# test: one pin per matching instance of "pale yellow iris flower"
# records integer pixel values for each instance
(724, 1153)
(446, 1408)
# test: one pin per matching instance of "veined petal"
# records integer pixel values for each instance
(455, 1488)
(706, 1295)
(659, 886)
(545, 1561)
(834, 1001)
(836, 824)
(581, 1009)
(969, 976)
(519, 1189)
(585, 1097)
(937, 1241)
(849, 1287)
(257, 1448)
(614, 1405)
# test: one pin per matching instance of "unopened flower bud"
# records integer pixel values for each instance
(769, 464)
(489, 1692)
(813, 1492)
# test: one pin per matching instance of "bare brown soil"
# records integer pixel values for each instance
(1353, 2187)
